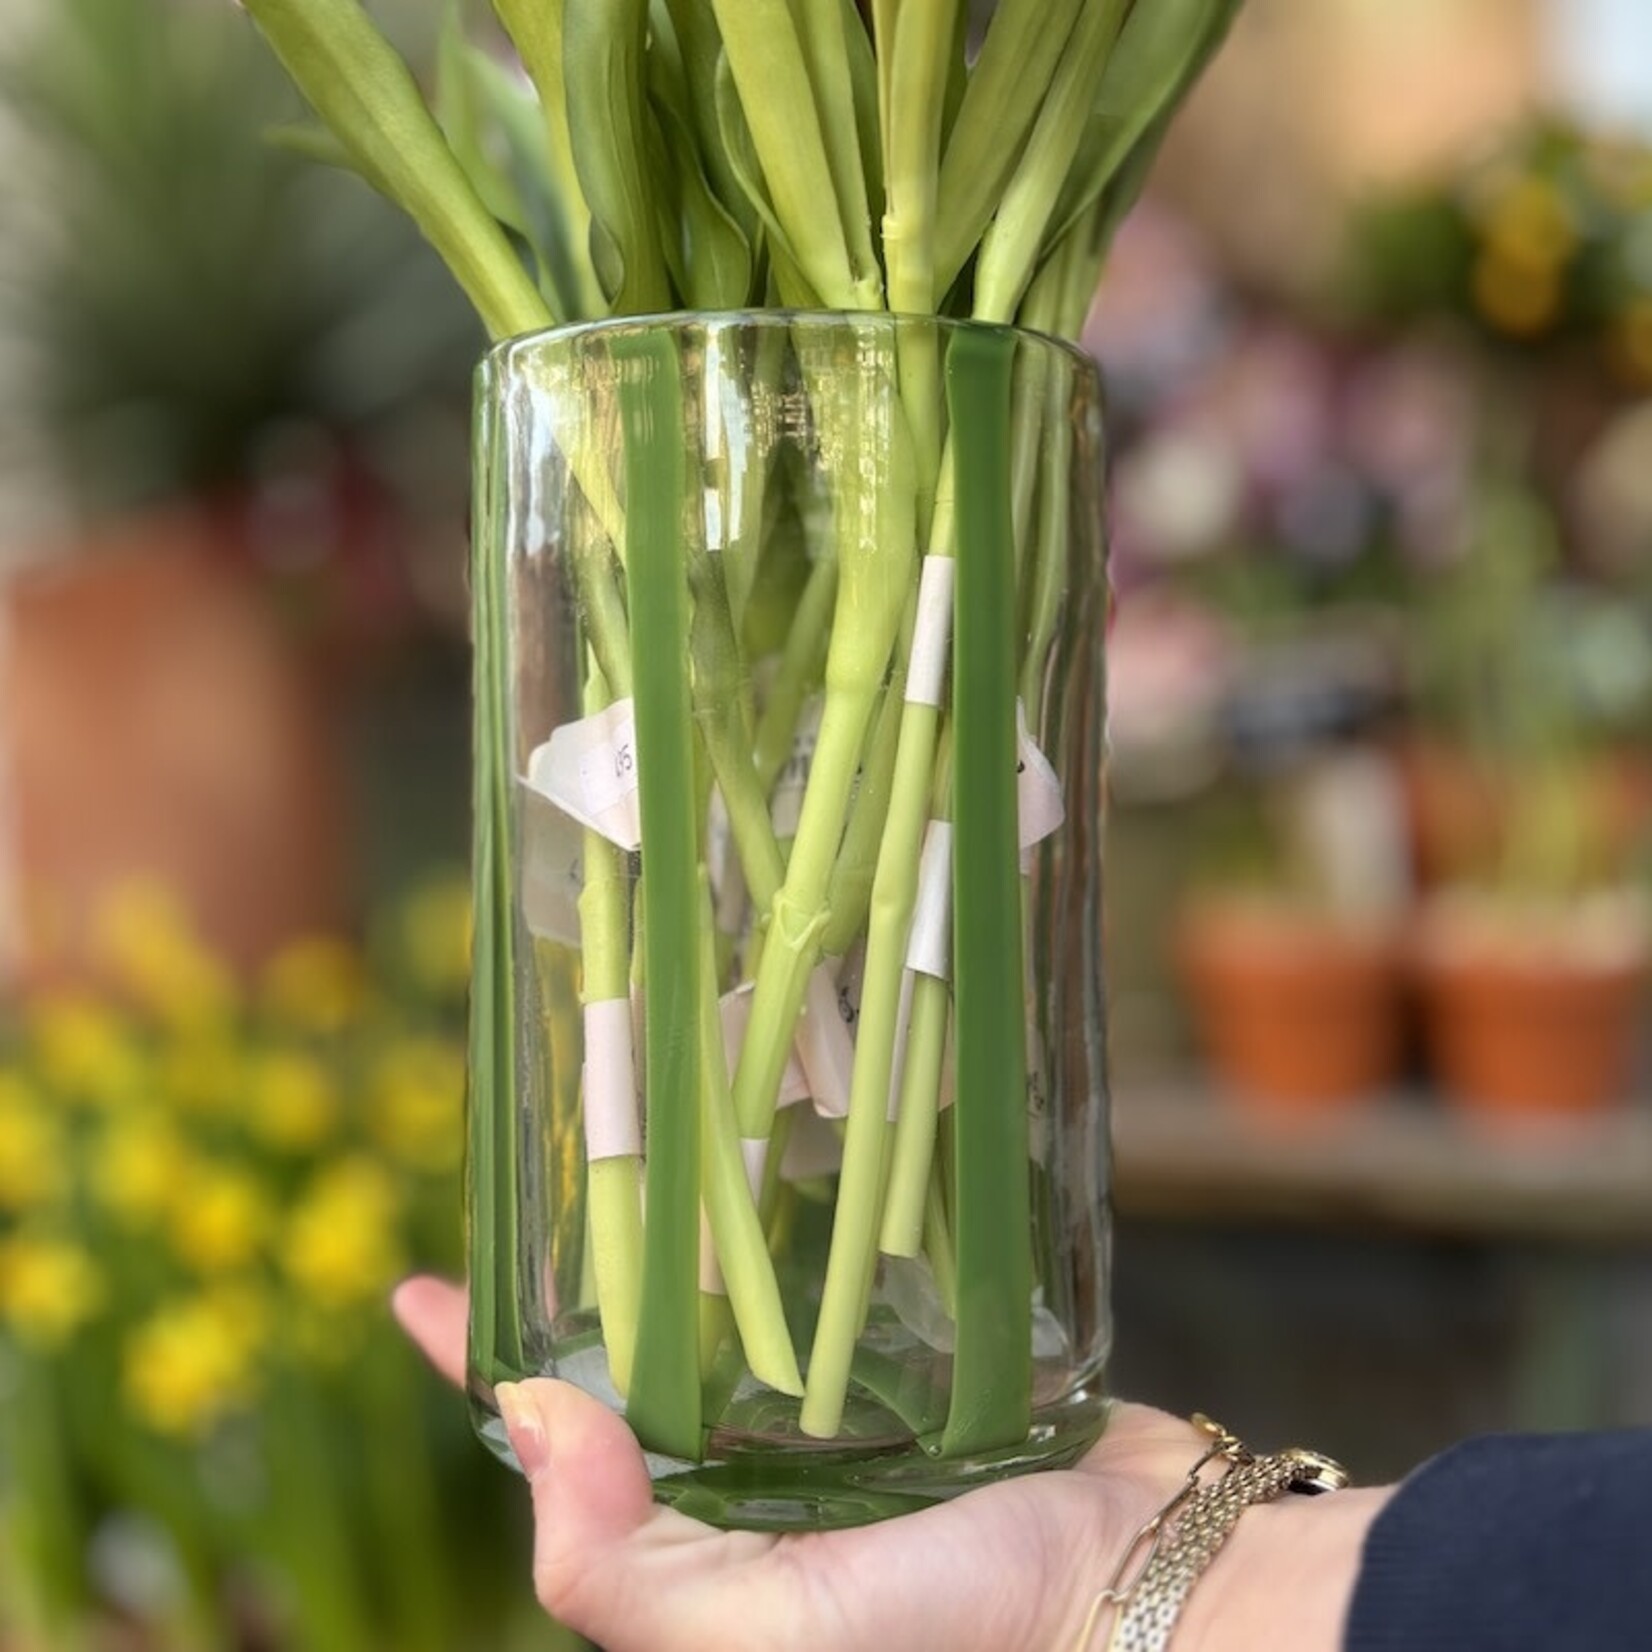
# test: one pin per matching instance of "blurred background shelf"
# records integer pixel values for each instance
(1401, 1163)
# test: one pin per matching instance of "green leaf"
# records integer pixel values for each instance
(1161, 51)
(1001, 102)
(771, 77)
(664, 1404)
(795, 290)
(1010, 249)
(711, 258)
(603, 72)
(464, 124)
(362, 89)
(825, 35)
(700, 46)
(536, 30)
(992, 1367)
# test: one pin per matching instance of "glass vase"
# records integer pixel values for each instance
(788, 1090)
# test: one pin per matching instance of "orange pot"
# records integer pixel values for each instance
(155, 723)
(1533, 1020)
(1298, 1013)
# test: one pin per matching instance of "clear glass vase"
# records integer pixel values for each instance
(788, 1088)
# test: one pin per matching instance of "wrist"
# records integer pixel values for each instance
(1285, 1578)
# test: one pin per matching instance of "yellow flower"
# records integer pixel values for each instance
(85, 1050)
(219, 1218)
(189, 1366)
(417, 1104)
(435, 934)
(138, 1169)
(33, 1162)
(1633, 341)
(1519, 299)
(144, 936)
(341, 1247)
(203, 1073)
(315, 985)
(49, 1288)
(1529, 224)
(293, 1102)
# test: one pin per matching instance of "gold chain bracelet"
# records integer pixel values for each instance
(1180, 1541)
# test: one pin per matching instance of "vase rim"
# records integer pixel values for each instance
(684, 320)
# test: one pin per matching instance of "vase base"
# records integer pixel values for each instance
(828, 1489)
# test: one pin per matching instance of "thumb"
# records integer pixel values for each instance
(608, 1561)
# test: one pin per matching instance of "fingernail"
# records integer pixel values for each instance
(526, 1427)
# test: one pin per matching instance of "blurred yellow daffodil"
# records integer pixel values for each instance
(219, 1219)
(85, 1050)
(137, 1168)
(1529, 224)
(314, 985)
(341, 1247)
(144, 938)
(292, 1101)
(435, 936)
(416, 1104)
(1517, 298)
(33, 1156)
(204, 1072)
(49, 1288)
(190, 1365)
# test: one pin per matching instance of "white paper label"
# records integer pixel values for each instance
(786, 805)
(1040, 804)
(825, 1046)
(588, 770)
(929, 947)
(553, 871)
(735, 1011)
(931, 632)
(612, 1127)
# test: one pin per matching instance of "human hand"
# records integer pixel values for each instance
(1015, 1565)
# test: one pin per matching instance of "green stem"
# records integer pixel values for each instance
(664, 1402)
(909, 1176)
(801, 664)
(613, 1185)
(992, 1369)
(731, 1204)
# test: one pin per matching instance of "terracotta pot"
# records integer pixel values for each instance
(1532, 1011)
(156, 723)
(1298, 1012)
(1458, 806)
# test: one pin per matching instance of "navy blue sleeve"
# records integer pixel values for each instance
(1513, 1544)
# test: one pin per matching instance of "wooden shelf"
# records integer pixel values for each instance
(1403, 1162)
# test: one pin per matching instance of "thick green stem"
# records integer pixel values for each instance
(664, 1402)
(992, 1369)
(731, 1203)
(801, 664)
(614, 1185)
(909, 1176)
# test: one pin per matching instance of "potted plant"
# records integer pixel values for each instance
(1290, 945)
(212, 336)
(1533, 958)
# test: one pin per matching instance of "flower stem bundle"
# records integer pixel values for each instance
(801, 156)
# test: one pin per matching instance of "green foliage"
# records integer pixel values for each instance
(182, 284)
